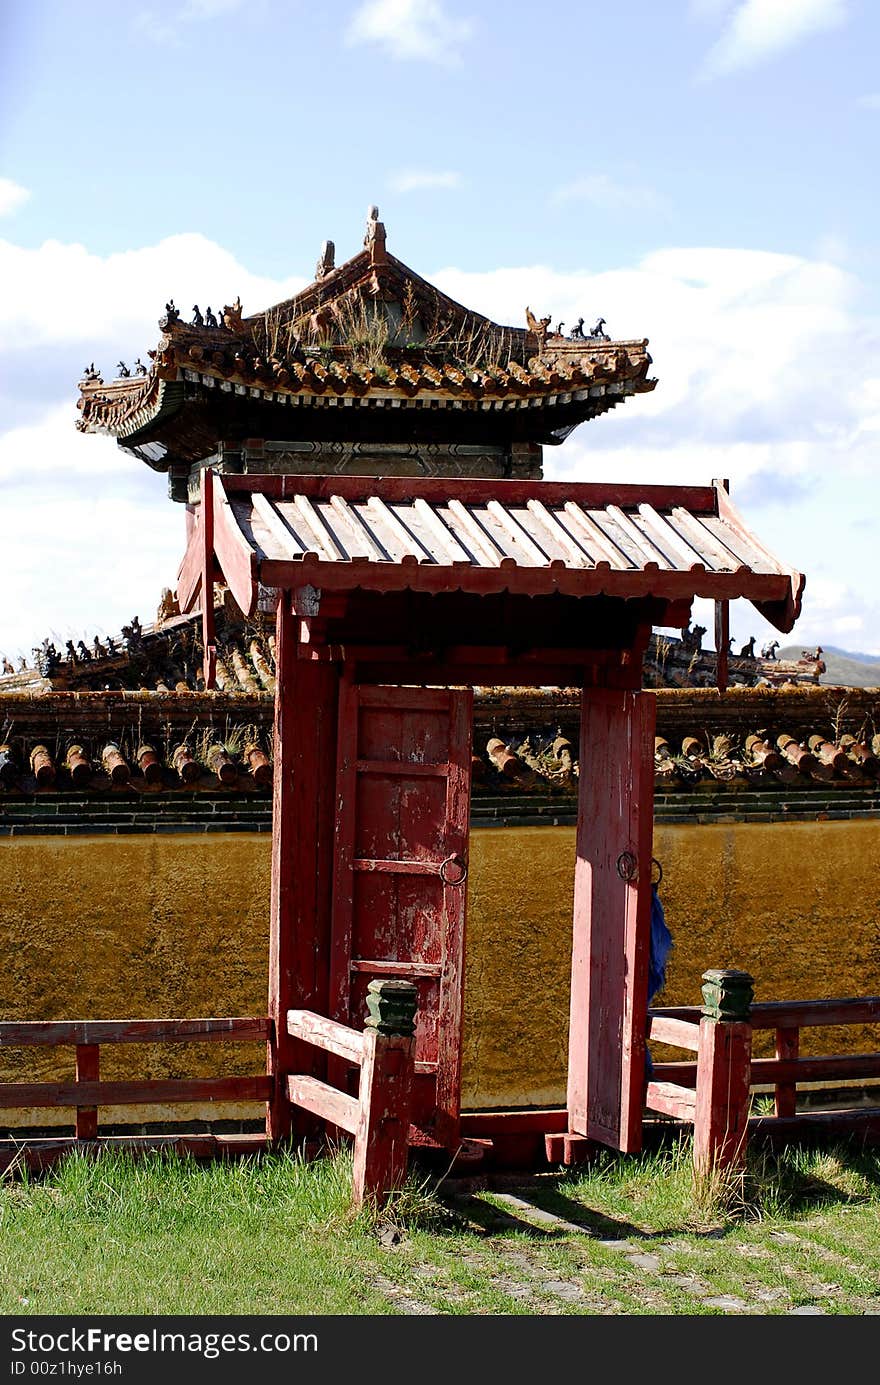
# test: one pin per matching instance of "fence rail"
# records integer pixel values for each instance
(713, 1092)
(88, 1092)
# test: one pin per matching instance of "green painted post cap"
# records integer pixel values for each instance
(391, 1007)
(727, 994)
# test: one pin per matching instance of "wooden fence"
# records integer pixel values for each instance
(86, 1092)
(714, 1091)
(378, 1117)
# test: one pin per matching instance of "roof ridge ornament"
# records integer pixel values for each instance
(374, 240)
(327, 260)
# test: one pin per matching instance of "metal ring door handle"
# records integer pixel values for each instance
(455, 863)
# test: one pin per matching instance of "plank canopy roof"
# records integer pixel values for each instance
(381, 534)
(364, 339)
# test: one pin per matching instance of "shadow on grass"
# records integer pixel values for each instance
(660, 1195)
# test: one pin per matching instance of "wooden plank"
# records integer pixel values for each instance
(575, 555)
(482, 543)
(278, 527)
(53, 1033)
(671, 1100)
(476, 491)
(146, 1092)
(683, 1074)
(457, 832)
(863, 1121)
(350, 696)
(521, 536)
(327, 545)
(608, 1018)
(408, 769)
(235, 555)
(329, 1103)
(356, 522)
(843, 1066)
(410, 543)
(412, 970)
(542, 1121)
(189, 574)
(401, 699)
(303, 824)
(87, 1070)
(326, 1034)
(394, 867)
(722, 644)
(787, 1047)
(39, 1154)
(633, 582)
(209, 638)
(441, 531)
(803, 1014)
(590, 535)
(679, 1033)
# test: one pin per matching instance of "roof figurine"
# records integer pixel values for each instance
(197, 319)
(374, 240)
(232, 320)
(326, 261)
(210, 319)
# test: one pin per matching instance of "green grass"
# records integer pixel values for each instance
(163, 1235)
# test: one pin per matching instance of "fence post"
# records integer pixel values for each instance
(723, 1071)
(381, 1141)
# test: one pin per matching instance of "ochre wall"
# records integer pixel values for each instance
(175, 925)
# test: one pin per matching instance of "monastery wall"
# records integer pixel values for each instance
(174, 924)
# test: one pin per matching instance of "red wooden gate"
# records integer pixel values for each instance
(400, 864)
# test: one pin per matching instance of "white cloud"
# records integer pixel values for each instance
(165, 27)
(760, 29)
(63, 293)
(769, 375)
(423, 180)
(605, 192)
(106, 538)
(407, 29)
(12, 196)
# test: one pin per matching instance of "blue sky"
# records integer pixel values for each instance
(701, 172)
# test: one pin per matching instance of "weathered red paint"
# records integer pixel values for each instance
(606, 1058)
(402, 818)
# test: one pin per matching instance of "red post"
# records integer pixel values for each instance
(722, 644)
(723, 1072)
(304, 755)
(611, 929)
(381, 1143)
(785, 1093)
(87, 1070)
(209, 638)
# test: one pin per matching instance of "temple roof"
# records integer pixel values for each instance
(371, 334)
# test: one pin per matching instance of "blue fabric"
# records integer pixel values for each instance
(661, 946)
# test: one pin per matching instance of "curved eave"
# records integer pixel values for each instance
(126, 411)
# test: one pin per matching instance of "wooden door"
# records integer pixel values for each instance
(612, 924)
(400, 867)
